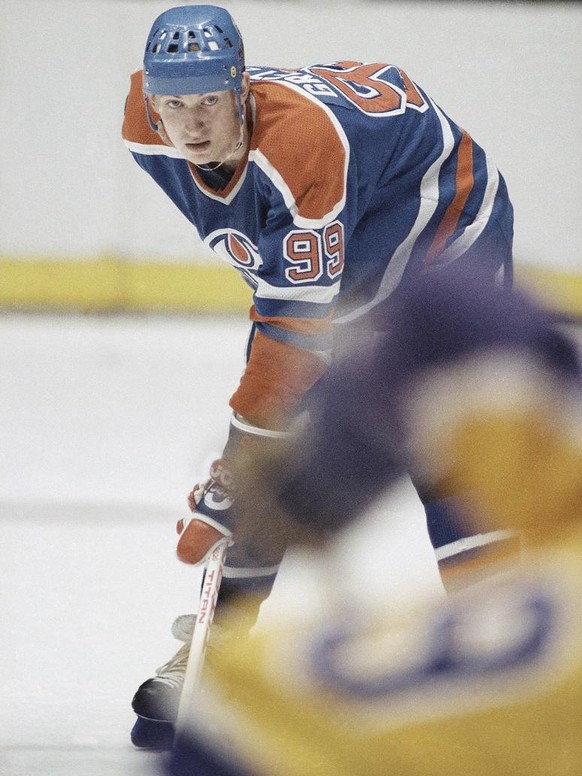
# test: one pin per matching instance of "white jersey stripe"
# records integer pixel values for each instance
(472, 543)
(153, 150)
(273, 175)
(429, 199)
(219, 197)
(473, 231)
(314, 294)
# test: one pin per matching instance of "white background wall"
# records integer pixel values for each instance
(508, 72)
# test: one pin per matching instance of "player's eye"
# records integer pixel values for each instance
(170, 102)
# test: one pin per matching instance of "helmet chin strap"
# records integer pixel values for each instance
(149, 116)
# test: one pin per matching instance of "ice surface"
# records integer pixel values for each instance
(106, 422)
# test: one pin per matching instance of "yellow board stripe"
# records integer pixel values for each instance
(113, 283)
(556, 289)
(110, 283)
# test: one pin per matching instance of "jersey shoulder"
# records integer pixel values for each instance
(136, 127)
(299, 144)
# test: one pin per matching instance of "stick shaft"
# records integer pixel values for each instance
(207, 606)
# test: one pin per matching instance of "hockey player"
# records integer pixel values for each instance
(476, 388)
(329, 188)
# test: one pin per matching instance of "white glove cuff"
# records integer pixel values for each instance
(247, 428)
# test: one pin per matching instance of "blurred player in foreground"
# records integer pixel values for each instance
(330, 188)
(477, 389)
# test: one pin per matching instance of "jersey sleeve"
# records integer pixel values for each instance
(275, 379)
(301, 171)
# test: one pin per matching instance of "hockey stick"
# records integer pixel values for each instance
(208, 599)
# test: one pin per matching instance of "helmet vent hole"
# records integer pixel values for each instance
(228, 42)
(172, 48)
(192, 45)
(213, 45)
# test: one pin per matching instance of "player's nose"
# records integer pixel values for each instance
(194, 121)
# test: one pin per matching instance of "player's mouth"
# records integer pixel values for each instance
(203, 145)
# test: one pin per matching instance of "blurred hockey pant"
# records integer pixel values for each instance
(465, 557)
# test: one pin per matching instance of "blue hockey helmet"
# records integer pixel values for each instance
(193, 49)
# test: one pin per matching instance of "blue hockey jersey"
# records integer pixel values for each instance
(354, 183)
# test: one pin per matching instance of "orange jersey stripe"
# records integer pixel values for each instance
(463, 184)
(314, 173)
(276, 378)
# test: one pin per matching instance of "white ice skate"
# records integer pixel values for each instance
(158, 698)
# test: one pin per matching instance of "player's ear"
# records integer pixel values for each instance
(152, 102)
(245, 87)
(152, 107)
(157, 122)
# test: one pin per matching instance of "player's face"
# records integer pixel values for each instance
(204, 127)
